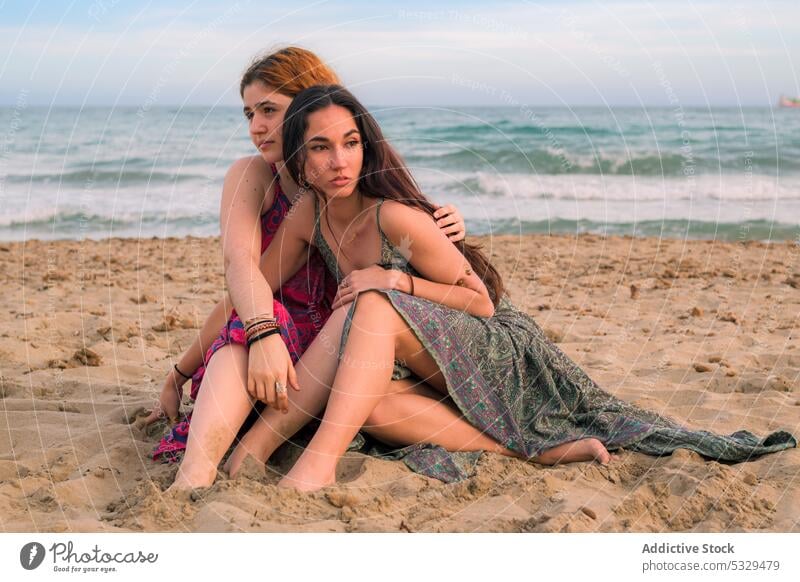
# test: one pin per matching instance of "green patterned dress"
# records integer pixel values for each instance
(510, 381)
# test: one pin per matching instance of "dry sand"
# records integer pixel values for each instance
(705, 331)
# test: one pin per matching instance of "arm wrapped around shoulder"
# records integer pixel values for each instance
(447, 276)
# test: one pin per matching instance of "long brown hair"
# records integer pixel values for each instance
(288, 70)
(383, 173)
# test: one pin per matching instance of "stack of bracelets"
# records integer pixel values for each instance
(260, 326)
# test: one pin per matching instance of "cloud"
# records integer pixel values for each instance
(572, 49)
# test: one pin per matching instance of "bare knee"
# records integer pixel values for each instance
(234, 354)
(371, 302)
(375, 313)
(228, 363)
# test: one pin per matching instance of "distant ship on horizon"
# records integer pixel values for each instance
(789, 101)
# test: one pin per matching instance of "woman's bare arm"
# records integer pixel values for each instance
(288, 250)
(269, 363)
(243, 200)
(249, 180)
(448, 278)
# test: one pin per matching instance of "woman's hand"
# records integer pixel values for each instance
(268, 365)
(450, 221)
(169, 402)
(374, 277)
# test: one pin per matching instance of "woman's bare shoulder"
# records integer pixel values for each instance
(250, 171)
(301, 217)
(250, 178)
(304, 204)
(398, 218)
(250, 166)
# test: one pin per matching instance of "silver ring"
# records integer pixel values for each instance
(280, 388)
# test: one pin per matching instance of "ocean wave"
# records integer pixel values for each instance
(518, 186)
(498, 129)
(72, 225)
(72, 220)
(671, 229)
(554, 161)
(121, 177)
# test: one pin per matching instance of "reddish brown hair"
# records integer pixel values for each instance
(289, 71)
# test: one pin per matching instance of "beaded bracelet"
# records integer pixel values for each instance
(258, 318)
(262, 322)
(256, 327)
(259, 328)
(252, 340)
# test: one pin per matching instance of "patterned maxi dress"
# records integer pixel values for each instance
(302, 305)
(509, 380)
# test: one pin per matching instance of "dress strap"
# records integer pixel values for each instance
(322, 245)
(378, 217)
(389, 255)
(277, 176)
(317, 225)
(280, 197)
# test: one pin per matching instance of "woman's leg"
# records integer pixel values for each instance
(410, 413)
(361, 395)
(379, 335)
(419, 415)
(216, 421)
(315, 372)
(414, 412)
(362, 379)
(222, 406)
(589, 449)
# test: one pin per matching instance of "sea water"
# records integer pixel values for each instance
(700, 173)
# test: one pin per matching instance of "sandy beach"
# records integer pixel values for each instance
(704, 331)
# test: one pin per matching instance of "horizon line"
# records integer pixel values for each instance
(776, 105)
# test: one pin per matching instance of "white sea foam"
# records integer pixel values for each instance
(74, 173)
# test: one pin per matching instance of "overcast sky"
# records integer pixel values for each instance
(119, 52)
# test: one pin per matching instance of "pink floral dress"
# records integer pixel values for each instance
(302, 306)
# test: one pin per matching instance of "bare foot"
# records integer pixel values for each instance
(180, 493)
(304, 476)
(589, 449)
(186, 482)
(240, 454)
(304, 484)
